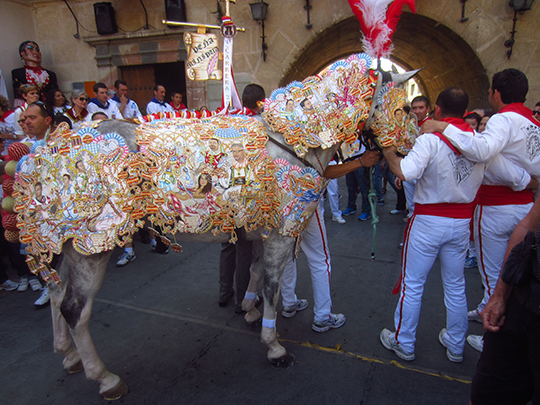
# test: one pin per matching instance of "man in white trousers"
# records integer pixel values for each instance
(445, 190)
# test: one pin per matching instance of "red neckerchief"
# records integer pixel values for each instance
(5, 115)
(71, 113)
(458, 123)
(420, 123)
(520, 109)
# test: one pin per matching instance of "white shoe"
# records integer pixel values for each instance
(125, 258)
(475, 316)
(35, 284)
(44, 298)
(476, 342)
(9, 285)
(453, 357)
(339, 220)
(23, 284)
(388, 340)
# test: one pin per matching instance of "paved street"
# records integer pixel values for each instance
(156, 324)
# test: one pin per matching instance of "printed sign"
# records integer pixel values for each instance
(203, 57)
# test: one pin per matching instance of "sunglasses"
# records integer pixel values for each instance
(84, 99)
(32, 48)
(41, 105)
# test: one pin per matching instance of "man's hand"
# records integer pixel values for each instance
(432, 126)
(493, 313)
(370, 158)
(398, 183)
(533, 185)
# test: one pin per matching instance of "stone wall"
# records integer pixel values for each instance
(480, 40)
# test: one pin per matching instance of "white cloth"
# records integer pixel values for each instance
(442, 176)
(111, 111)
(314, 244)
(153, 108)
(428, 237)
(333, 194)
(131, 110)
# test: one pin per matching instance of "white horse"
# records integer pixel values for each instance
(82, 275)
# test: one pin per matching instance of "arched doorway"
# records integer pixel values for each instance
(419, 42)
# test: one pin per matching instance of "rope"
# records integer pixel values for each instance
(372, 198)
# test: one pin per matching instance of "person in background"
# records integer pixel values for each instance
(7, 123)
(483, 123)
(100, 103)
(128, 108)
(78, 113)
(56, 102)
(158, 104)
(30, 94)
(473, 119)
(176, 102)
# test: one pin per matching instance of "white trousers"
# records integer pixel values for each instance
(493, 226)
(426, 238)
(333, 195)
(314, 244)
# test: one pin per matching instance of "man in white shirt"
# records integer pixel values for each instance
(158, 104)
(101, 104)
(128, 108)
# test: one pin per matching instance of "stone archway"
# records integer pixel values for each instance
(419, 42)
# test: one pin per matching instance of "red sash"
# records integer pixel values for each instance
(502, 195)
(520, 109)
(448, 210)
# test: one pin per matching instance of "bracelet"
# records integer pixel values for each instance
(360, 160)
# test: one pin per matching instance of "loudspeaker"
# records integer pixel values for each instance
(105, 21)
(175, 10)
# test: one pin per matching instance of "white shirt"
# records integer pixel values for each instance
(111, 112)
(515, 137)
(153, 108)
(442, 176)
(131, 110)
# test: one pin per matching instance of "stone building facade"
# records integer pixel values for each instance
(451, 52)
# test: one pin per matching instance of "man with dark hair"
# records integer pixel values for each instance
(128, 108)
(100, 103)
(445, 190)
(510, 138)
(158, 104)
(38, 120)
(420, 108)
(252, 95)
(473, 119)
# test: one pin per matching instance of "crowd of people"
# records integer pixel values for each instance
(468, 170)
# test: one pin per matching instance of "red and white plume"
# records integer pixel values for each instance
(378, 19)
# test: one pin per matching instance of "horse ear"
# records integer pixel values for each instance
(399, 78)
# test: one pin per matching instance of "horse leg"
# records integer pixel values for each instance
(63, 343)
(276, 252)
(253, 315)
(85, 278)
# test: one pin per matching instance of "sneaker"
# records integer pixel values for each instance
(9, 285)
(453, 357)
(395, 212)
(470, 263)
(125, 258)
(334, 321)
(44, 298)
(476, 342)
(364, 217)
(35, 284)
(339, 220)
(380, 201)
(23, 284)
(349, 211)
(388, 340)
(289, 312)
(475, 316)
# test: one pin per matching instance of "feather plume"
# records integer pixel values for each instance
(378, 20)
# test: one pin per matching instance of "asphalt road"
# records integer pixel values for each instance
(156, 324)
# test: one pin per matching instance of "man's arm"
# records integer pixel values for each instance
(394, 161)
(493, 312)
(368, 159)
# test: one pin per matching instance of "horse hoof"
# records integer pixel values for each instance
(116, 392)
(75, 368)
(255, 325)
(285, 362)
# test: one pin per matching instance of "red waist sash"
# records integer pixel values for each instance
(502, 195)
(448, 210)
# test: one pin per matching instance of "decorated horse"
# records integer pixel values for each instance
(81, 194)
